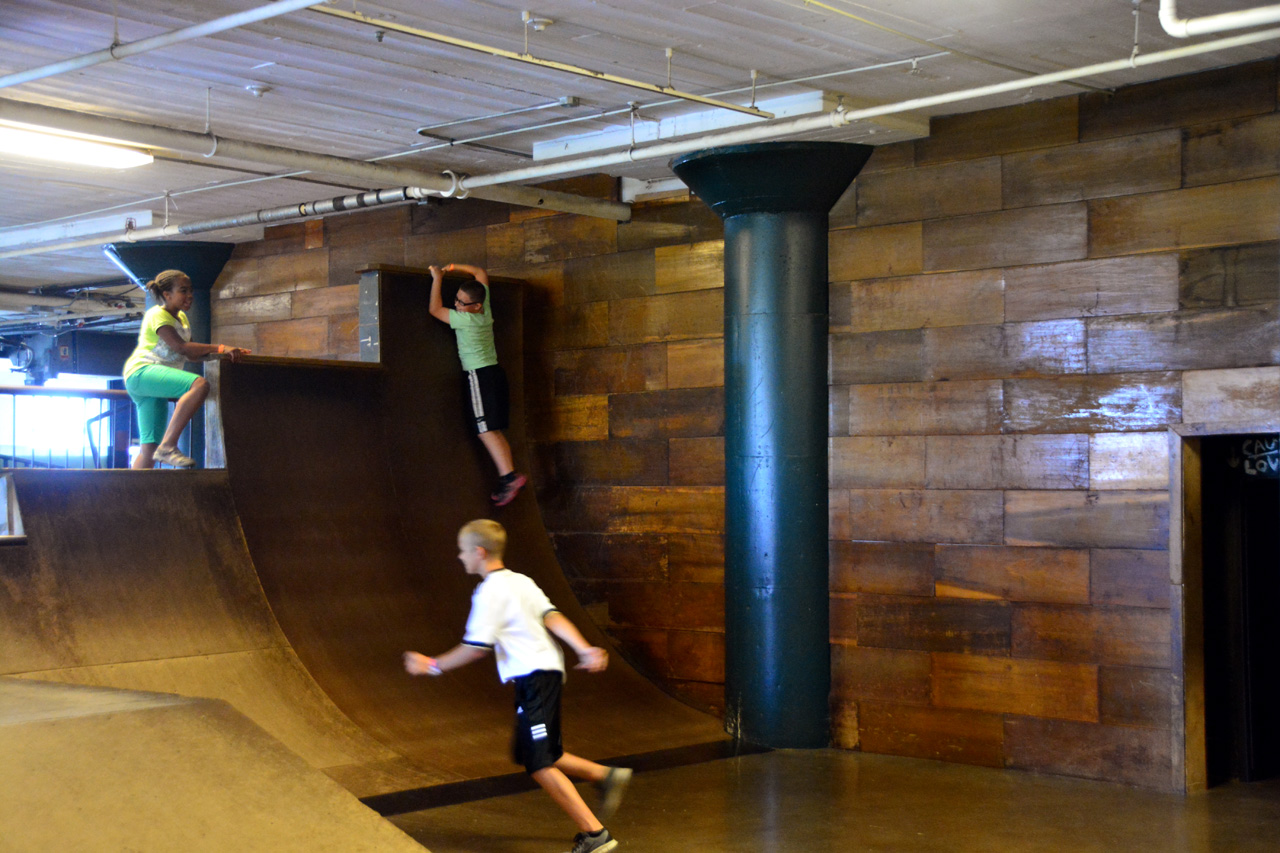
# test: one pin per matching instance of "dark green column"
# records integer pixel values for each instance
(774, 198)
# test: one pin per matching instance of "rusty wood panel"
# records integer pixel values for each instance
(1047, 575)
(1122, 754)
(876, 357)
(1232, 151)
(843, 618)
(346, 262)
(1087, 519)
(371, 226)
(344, 336)
(1117, 402)
(294, 271)
(469, 246)
(1135, 696)
(573, 508)
(1063, 691)
(239, 277)
(619, 462)
(844, 725)
(276, 239)
(241, 335)
(934, 624)
(925, 301)
(929, 192)
(252, 309)
(940, 734)
(696, 461)
(886, 250)
(610, 370)
(876, 462)
(838, 410)
(313, 234)
(1224, 93)
(597, 556)
(583, 418)
(667, 317)
(307, 338)
(569, 327)
(689, 606)
(839, 519)
(695, 266)
(558, 238)
(1222, 214)
(327, 301)
(1119, 636)
(926, 516)
(1124, 166)
(1007, 462)
(695, 557)
(1229, 276)
(646, 648)
(1024, 127)
(1129, 285)
(651, 509)
(886, 675)
(1011, 350)
(695, 364)
(1034, 235)
(685, 412)
(1243, 394)
(926, 408)
(504, 246)
(1129, 460)
(1188, 340)
(444, 215)
(696, 655)
(887, 568)
(605, 277)
(669, 222)
(1129, 577)
(886, 158)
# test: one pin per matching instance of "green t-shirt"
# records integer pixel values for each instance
(476, 348)
(152, 350)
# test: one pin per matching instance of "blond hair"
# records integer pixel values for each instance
(488, 534)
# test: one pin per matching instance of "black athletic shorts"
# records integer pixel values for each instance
(486, 389)
(536, 743)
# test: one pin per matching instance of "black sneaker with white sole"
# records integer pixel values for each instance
(601, 842)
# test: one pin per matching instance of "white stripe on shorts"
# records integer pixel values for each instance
(477, 401)
(539, 731)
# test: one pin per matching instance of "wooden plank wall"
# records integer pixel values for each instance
(1021, 304)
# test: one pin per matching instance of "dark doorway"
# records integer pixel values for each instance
(1241, 503)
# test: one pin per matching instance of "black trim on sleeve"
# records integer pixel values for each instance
(488, 647)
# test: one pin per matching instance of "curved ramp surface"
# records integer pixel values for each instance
(351, 484)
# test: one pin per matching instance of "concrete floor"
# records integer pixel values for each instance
(790, 801)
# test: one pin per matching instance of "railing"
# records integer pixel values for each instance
(64, 428)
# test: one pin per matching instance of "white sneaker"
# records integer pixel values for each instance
(174, 457)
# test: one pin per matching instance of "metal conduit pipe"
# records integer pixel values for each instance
(841, 118)
(1186, 27)
(376, 174)
(120, 51)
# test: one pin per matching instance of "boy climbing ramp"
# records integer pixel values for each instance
(471, 319)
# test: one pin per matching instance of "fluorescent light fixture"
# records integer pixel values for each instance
(38, 144)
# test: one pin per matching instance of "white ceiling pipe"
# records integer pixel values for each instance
(370, 174)
(120, 51)
(1238, 20)
(841, 118)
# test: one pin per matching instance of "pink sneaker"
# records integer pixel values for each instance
(508, 490)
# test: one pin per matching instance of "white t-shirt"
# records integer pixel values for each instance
(507, 610)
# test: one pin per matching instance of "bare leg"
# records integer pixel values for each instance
(582, 768)
(145, 458)
(496, 443)
(567, 797)
(186, 408)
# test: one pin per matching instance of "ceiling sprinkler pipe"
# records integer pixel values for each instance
(120, 51)
(1186, 27)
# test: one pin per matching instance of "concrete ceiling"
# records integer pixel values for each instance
(327, 84)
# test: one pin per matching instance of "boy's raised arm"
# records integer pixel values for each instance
(477, 273)
(435, 304)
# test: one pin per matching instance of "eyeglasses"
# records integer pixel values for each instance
(458, 300)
